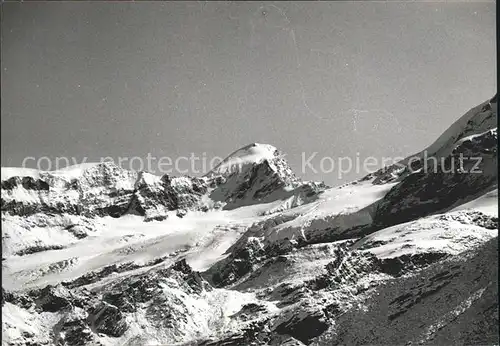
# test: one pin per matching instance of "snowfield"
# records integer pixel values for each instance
(451, 233)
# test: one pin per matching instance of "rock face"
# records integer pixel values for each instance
(469, 171)
(251, 255)
(100, 190)
(430, 307)
(479, 120)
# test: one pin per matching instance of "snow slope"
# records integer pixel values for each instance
(242, 158)
(477, 120)
(487, 203)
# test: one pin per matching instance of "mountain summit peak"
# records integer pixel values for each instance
(250, 154)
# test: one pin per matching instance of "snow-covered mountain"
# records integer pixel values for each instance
(258, 173)
(250, 254)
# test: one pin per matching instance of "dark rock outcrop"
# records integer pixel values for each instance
(108, 319)
(457, 179)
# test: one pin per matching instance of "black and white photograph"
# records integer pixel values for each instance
(249, 173)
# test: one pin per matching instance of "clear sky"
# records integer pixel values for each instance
(382, 79)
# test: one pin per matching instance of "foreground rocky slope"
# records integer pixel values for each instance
(251, 255)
